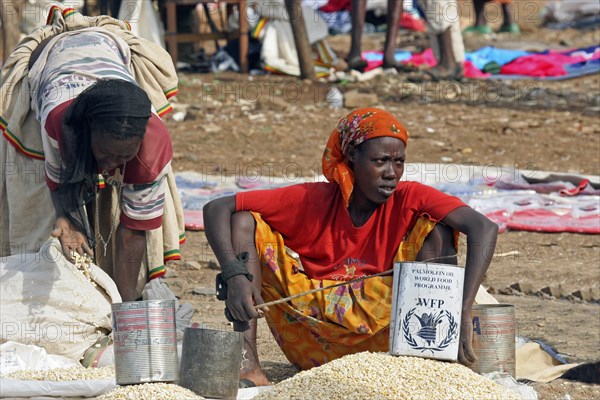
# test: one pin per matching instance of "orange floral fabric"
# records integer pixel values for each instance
(358, 126)
(317, 328)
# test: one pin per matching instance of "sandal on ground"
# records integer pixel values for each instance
(435, 75)
(357, 64)
(510, 28)
(246, 383)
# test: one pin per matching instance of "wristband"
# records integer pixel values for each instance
(236, 267)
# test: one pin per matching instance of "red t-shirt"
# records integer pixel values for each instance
(314, 223)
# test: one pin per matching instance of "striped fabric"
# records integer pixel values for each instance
(172, 255)
(69, 69)
(259, 29)
(157, 272)
(167, 108)
(143, 202)
(14, 140)
(101, 182)
(171, 92)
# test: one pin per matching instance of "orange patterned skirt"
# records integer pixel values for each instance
(317, 328)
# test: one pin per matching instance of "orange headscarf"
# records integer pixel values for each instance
(358, 126)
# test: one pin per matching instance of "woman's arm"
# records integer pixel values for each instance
(481, 242)
(217, 227)
(71, 239)
(131, 248)
(241, 294)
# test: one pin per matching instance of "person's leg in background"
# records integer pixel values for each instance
(443, 25)
(481, 21)
(394, 10)
(508, 23)
(359, 12)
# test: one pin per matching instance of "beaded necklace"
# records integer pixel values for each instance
(113, 224)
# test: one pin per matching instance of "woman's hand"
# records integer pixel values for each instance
(466, 354)
(242, 295)
(71, 240)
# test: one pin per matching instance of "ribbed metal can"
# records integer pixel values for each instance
(211, 362)
(494, 338)
(145, 342)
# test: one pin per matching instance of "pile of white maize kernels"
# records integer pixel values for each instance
(150, 391)
(374, 376)
(63, 374)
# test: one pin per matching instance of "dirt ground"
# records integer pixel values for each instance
(277, 126)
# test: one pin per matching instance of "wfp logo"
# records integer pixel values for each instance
(426, 336)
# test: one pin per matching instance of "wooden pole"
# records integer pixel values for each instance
(305, 58)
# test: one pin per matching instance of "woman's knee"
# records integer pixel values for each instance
(242, 223)
(439, 243)
(443, 235)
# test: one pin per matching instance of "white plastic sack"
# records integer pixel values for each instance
(17, 357)
(12, 388)
(46, 301)
(526, 392)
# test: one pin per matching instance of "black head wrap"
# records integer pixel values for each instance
(122, 110)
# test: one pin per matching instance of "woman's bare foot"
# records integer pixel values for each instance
(251, 369)
(255, 375)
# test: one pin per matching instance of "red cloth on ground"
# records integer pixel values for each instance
(471, 71)
(428, 58)
(551, 64)
(336, 5)
(315, 224)
(425, 58)
(538, 65)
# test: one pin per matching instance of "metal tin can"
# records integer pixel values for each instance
(145, 342)
(211, 362)
(426, 310)
(494, 338)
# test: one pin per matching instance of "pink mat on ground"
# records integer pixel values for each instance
(540, 220)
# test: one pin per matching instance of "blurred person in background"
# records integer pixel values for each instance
(443, 26)
(482, 26)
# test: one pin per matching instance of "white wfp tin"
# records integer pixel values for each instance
(426, 310)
